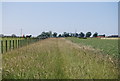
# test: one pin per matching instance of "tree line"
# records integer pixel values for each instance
(55, 34)
(14, 36)
(65, 34)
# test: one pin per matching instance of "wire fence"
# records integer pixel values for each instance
(7, 45)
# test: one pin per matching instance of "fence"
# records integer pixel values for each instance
(7, 45)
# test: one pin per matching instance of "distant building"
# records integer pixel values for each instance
(113, 36)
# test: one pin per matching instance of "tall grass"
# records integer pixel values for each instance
(56, 59)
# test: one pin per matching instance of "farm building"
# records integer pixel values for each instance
(113, 36)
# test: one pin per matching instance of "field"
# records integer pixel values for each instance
(106, 46)
(58, 58)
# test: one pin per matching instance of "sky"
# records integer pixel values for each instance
(36, 17)
(0, 17)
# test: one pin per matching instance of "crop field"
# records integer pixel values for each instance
(106, 46)
(58, 58)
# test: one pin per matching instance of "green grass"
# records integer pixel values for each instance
(11, 38)
(57, 59)
(106, 46)
(10, 46)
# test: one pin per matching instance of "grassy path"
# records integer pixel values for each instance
(57, 58)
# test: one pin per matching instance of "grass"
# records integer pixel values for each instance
(12, 43)
(57, 58)
(106, 46)
(9, 46)
(11, 38)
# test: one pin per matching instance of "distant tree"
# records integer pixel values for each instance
(65, 34)
(47, 34)
(76, 34)
(71, 35)
(95, 34)
(44, 35)
(59, 35)
(28, 36)
(1, 35)
(23, 36)
(88, 34)
(54, 34)
(101, 35)
(104, 35)
(81, 34)
(13, 35)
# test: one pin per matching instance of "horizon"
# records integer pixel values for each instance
(58, 34)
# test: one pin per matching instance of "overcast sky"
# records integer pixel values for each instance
(35, 17)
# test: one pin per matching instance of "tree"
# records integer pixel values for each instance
(81, 34)
(13, 35)
(104, 35)
(47, 34)
(71, 34)
(59, 35)
(44, 35)
(1, 35)
(76, 34)
(28, 36)
(65, 34)
(88, 34)
(54, 34)
(95, 34)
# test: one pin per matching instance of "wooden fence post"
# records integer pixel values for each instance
(10, 45)
(13, 44)
(18, 43)
(21, 41)
(1, 46)
(6, 46)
